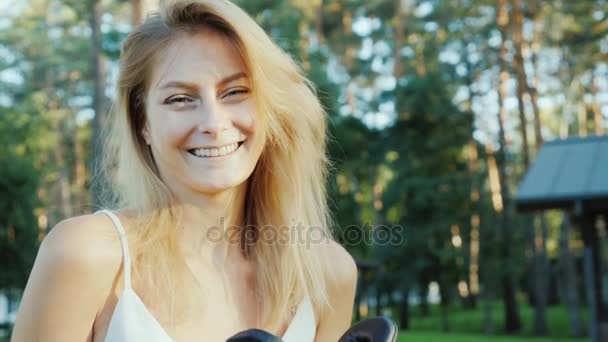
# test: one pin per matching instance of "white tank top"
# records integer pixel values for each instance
(131, 320)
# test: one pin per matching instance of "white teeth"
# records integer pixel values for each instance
(215, 152)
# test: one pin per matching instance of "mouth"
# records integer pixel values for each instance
(216, 152)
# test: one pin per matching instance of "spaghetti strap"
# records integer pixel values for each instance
(123, 244)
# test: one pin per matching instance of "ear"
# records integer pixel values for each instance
(145, 132)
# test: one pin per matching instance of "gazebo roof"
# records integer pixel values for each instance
(566, 172)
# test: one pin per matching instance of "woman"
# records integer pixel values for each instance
(216, 155)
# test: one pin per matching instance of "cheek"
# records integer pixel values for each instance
(245, 117)
(170, 131)
(247, 120)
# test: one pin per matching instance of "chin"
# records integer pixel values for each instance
(217, 186)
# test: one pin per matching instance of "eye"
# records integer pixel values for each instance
(235, 93)
(181, 102)
(181, 99)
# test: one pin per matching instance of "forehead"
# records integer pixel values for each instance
(200, 57)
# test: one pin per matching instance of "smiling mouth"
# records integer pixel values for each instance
(215, 152)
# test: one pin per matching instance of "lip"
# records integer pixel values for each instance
(240, 143)
(217, 146)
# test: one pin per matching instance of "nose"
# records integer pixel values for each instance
(213, 120)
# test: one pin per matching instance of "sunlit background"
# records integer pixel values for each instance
(437, 110)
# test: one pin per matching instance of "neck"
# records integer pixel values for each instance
(211, 224)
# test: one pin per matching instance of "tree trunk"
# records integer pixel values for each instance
(593, 277)
(582, 112)
(473, 277)
(473, 252)
(512, 319)
(542, 262)
(398, 39)
(98, 72)
(424, 303)
(489, 280)
(445, 322)
(378, 301)
(522, 82)
(304, 32)
(361, 289)
(349, 51)
(80, 172)
(536, 277)
(63, 191)
(420, 60)
(65, 195)
(541, 275)
(136, 12)
(569, 279)
(141, 8)
(533, 90)
(444, 304)
(598, 122)
(404, 311)
(45, 216)
(319, 22)
(488, 319)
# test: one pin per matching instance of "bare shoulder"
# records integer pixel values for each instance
(342, 266)
(88, 245)
(87, 241)
(72, 276)
(342, 284)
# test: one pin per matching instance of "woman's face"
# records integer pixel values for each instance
(201, 120)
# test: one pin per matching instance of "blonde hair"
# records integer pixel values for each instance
(286, 187)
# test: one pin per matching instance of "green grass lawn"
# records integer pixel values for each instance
(438, 337)
(467, 321)
(467, 325)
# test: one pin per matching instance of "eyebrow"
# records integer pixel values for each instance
(194, 87)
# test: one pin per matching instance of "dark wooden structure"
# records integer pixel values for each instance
(572, 175)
